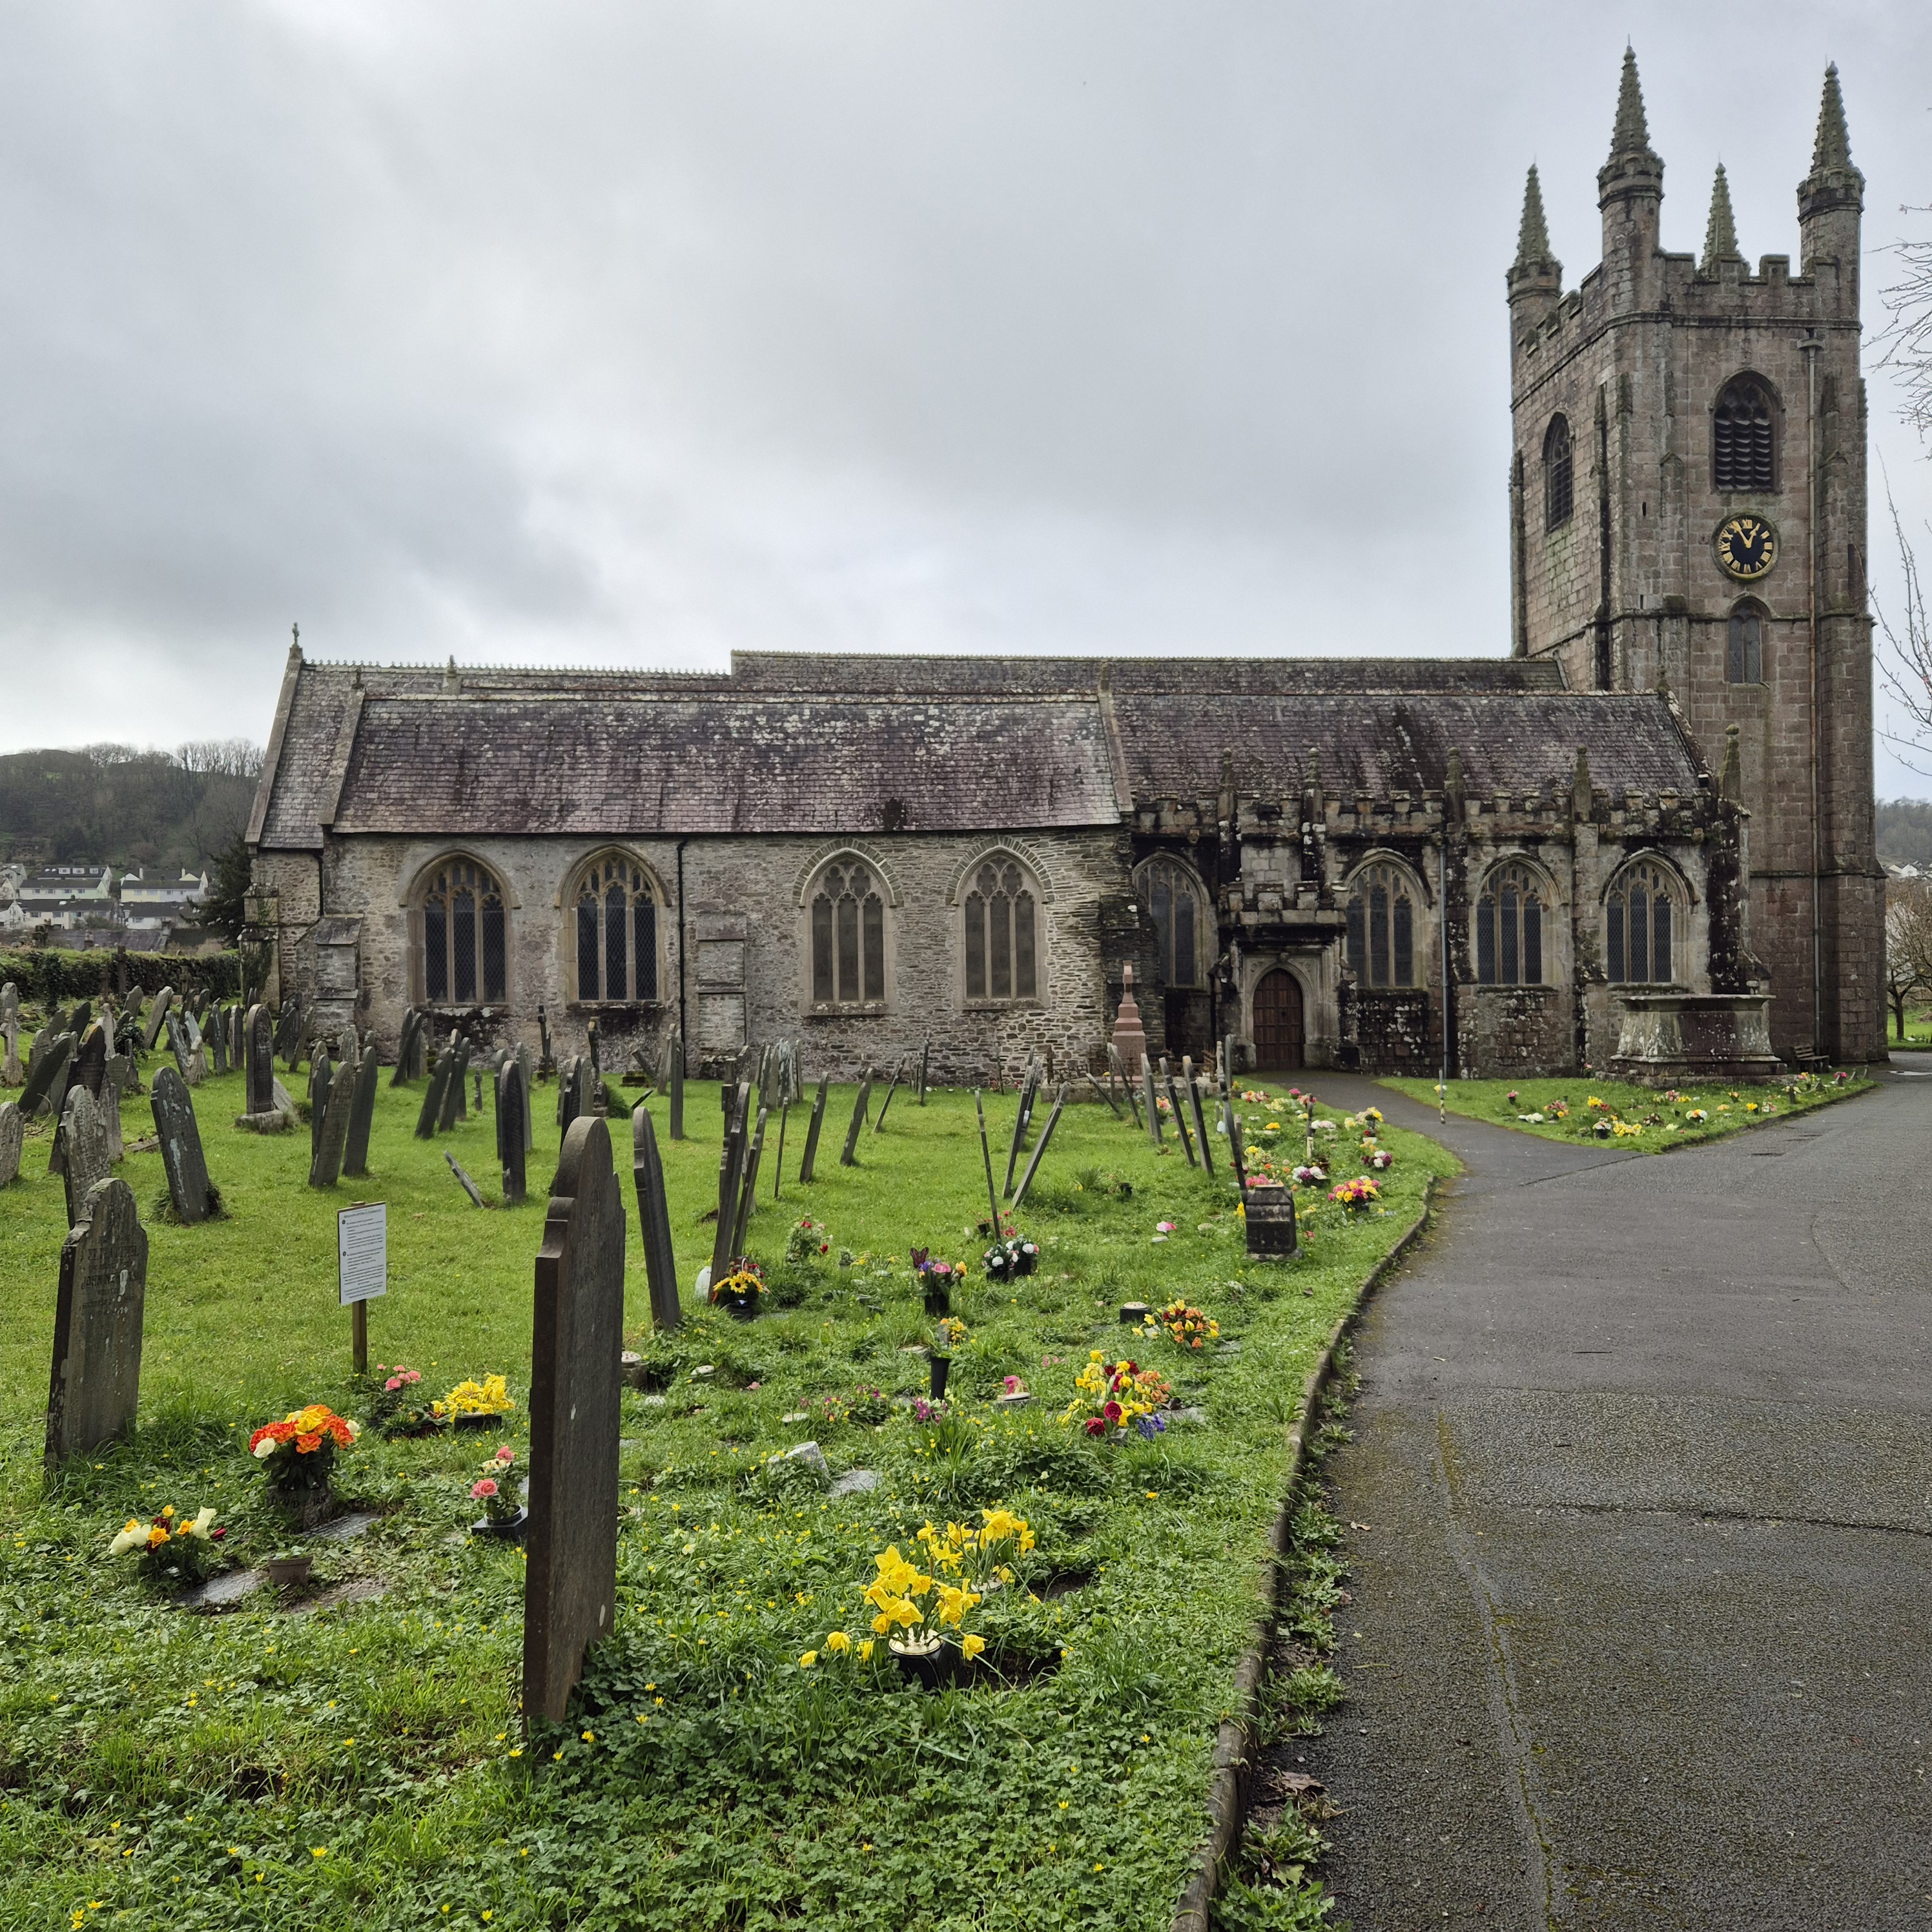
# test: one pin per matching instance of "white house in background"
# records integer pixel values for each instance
(67, 897)
(151, 899)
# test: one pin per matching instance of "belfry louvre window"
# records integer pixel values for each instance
(614, 921)
(1744, 650)
(1382, 928)
(848, 937)
(1743, 444)
(1509, 929)
(1639, 919)
(1002, 933)
(463, 941)
(1559, 480)
(1174, 901)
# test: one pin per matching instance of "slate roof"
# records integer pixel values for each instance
(821, 745)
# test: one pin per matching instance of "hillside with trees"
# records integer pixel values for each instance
(127, 807)
(1904, 826)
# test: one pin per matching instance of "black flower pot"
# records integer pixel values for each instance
(942, 1367)
(924, 1669)
(938, 1299)
(741, 1307)
(510, 1529)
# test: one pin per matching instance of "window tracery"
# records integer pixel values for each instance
(464, 960)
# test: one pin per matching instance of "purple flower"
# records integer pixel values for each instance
(1151, 1426)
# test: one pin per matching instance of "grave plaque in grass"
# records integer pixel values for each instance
(80, 1145)
(811, 1131)
(90, 1059)
(260, 1061)
(848, 1156)
(331, 1145)
(654, 1221)
(513, 1107)
(12, 1131)
(570, 1581)
(157, 1016)
(1192, 1082)
(46, 1083)
(361, 1115)
(182, 1158)
(96, 1381)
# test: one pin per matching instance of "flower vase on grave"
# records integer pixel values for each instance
(922, 1661)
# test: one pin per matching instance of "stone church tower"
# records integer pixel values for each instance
(1687, 510)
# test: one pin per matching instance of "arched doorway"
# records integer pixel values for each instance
(1277, 1021)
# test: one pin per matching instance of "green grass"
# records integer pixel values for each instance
(363, 1764)
(1663, 1119)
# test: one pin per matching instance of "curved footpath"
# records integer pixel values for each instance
(1640, 1510)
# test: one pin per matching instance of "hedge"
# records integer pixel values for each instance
(46, 974)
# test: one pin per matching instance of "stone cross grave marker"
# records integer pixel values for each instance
(12, 1131)
(1173, 1108)
(331, 1143)
(513, 1108)
(654, 1221)
(431, 1109)
(96, 1381)
(848, 1155)
(361, 1115)
(1191, 1081)
(181, 1157)
(730, 1181)
(570, 1582)
(811, 1130)
(117, 1082)
(261, 1062)
(321, 1074)
(81, 1141)
(1040, 1146)
(46, 1077)
(156, 1015)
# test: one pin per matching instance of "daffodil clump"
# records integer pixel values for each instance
(491, 1397)
(918, 1609)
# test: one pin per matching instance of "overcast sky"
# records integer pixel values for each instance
(628, 333)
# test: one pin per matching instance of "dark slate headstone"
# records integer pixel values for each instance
(261, 1061)
(675, 1087)
(156, 1015)
(459, 1086)
(117, 1082)
(1180, 1118)
(82, 1145)
(925, 1063)
(849, 1155)
(1115, 1071)
(730, 1180)
(96, 1382)
(892, 1087)
(570, 1582)
(431, 1110)
(38, 1047)
(453, 1065)
(289, 1033)
(406, 1047)
(811, 1131)
(529, 1071)
(1039, 1148)
(747, 1192)
(90, 1059)
(1148, 1095)
(80, 1019)
(361, 1115)
(513, 1108)
(464, 1180)
(1029, 1087)
(238, 1036)
(177, 1044)
(13, 1131)
(321, 1077)
(331, 1143)
(181, 1157)
(216, 1034)
(46, 1079)
(1191, 1081)
(654, 1221)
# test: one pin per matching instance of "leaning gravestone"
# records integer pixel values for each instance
(97, 1362)
(79, 1021)
(196, 1071)
(805, 1166)
(1040, 1149)
(216, 1034)
(406, 1047)
(321, 1076)
(362, 1116)
(513, 1108)
(181, 1157)
(178, 1042)
(731, 1179)
(156, 1015)
(567, 1099)
(331, 1143)
(48, 1059)
(289, 1033)
(1192, 1081)
(432, 1102)
(90, 1059)
(570, 1582)
(654, 1221)
(849, 1155)
(13, 1131)
(81, 1144)
(457, 1055)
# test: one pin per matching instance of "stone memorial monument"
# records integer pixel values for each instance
(513, 1108)
(181, 1157)
(80, 1149)
(96, 1381)
(12, 1131)
(654, 1221)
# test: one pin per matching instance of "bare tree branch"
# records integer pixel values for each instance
(1907, 337)
(1905, 655)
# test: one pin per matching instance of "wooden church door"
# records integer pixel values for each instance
(1277, 1021)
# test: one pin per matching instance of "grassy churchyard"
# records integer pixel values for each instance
(742, 1752)
(1646, 1119)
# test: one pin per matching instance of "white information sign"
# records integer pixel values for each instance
(362, 1251)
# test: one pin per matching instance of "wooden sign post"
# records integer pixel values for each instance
(362, 1269)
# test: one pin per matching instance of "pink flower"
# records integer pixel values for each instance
(506, 1454)
(483, 1487)
(1163, 1227)
(394, 1382)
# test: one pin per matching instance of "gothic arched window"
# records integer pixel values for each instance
(465, 949)
(1509, 929)
(1639, 919)
(1558, 491)
(848, 936)
(1174, 897)
(1002, 932)
(1743, 436)
(1381, 927)
(1744, 649)
(614, 932)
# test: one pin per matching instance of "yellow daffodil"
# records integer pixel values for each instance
(810, 1657)
(836, 1643)
(971, 1646)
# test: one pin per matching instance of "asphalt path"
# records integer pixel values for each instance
(1640, 1501)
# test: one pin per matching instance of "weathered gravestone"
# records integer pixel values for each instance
(181, 1157)
(1173, 1108)
(924, 1063)
(1192, 1081)
(524, 1062)
(46, 1090)
(513, 1108)
(117, 1082)
(730, 1181)
(178, 1042)
(811, 1131)
(288, 1031)
(654, 1221)
(97, 1361)
(11, 1071)
(747, 1192)
(216, 1034)
(80, 1146)
(567, 1108)
(674, 1086)
(1039, 1148)
(570, 1582)
(1029, 1087)
(13, 1131)
(849, 1154)
(431, 1109)
(80, 1019)
(463, 1181)
(361, 1114)
(90, 1059)
(158, 1015)
(406, 1049)
(331, 1143)
(321, 1074)
(196, 1072)
(237, 1037)
(1153, 1104)
(260, 1057)
(456, 1058)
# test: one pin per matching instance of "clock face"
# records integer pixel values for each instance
(1746, 546)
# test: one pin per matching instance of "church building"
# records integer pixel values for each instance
(1642, 840)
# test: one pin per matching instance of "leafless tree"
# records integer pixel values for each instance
(1907, 337)
(1905, 653)
(1908, 943)
(221, 758)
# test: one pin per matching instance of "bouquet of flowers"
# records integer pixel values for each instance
(917, 1610)
(472, 1402)
(396, 1405)
(1115, 1396)
(744, 1281)
(937, 1280)
(1382, 1160)
(1557, 1110)
(1184, 1324)
(297, 1453)
(949, 1333)
(495, 1488)
(1353, 1196)
(807, 1241)
(1311, 1177)
(1011, 1259)
(171, 1545)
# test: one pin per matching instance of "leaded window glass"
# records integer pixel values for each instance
(1381, 927)
(614, 919)
(1743, 652)
(1174, 901)
(465, 949)
(1002, 944)
(1509, 929)
(1639, 919)
(1559, 479)
(848, 937)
